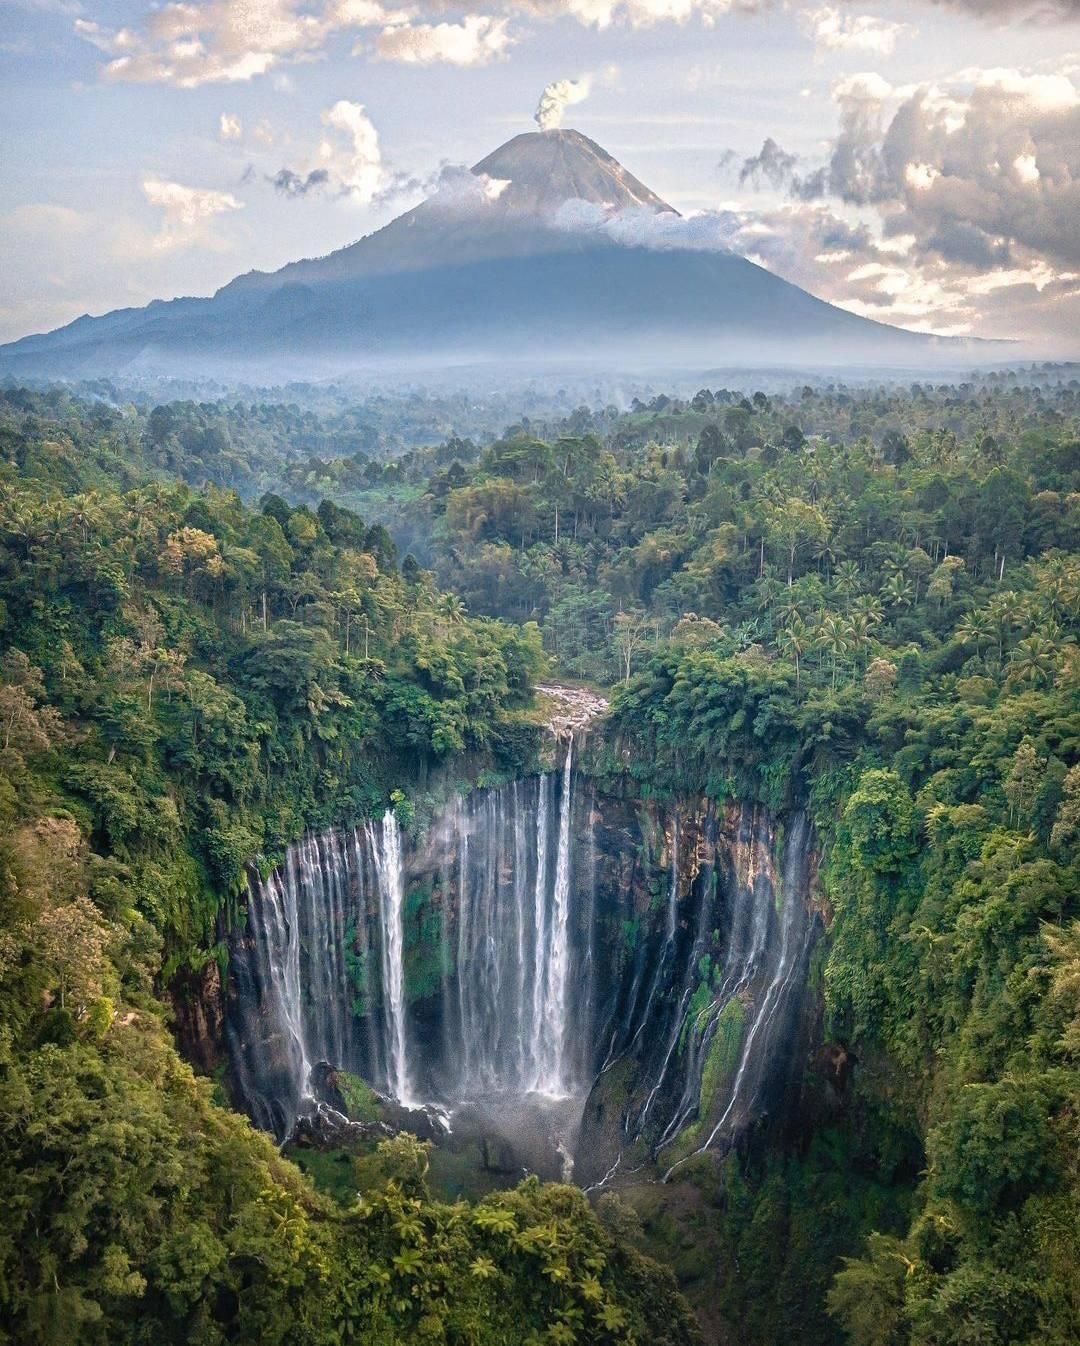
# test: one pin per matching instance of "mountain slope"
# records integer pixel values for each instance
(509, 263)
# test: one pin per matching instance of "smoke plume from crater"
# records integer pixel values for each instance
(557, 97)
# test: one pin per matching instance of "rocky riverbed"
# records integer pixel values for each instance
(570, 709)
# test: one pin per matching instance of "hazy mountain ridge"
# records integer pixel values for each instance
(489, 270)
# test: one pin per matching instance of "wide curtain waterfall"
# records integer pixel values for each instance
(470, 981)
(534, 942)
(515, 1022)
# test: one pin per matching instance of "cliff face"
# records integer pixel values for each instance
(197, 1000)
(707, 1021)
(638, 968)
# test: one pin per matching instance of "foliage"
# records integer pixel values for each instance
(864, 602)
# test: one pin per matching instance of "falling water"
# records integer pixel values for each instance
(770, 1008)
(531, 960)
(385, 844)
(321, 973)
(553, 1028)
(291, 966)
(539, 936)
(520, 938)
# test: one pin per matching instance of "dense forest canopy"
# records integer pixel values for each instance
(186, 684)
(864, 602)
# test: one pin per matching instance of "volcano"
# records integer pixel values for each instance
(547, 253)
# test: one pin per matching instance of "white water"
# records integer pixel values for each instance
(282, 927)
(513, 991)
(539, 937)
(508, 1029)
(793, 937)
(551, 1075)
(386, 853)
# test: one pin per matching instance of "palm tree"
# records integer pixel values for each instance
(794, 640)
(789, 611)
(897, 591)
(1001, 613)
(1033, 661)
(975, 629)
(846, 581)
(857, 631)
(831, 636)
(451, 609)
(869, 606)
(767, 592)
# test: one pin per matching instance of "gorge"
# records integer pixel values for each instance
(628, 974)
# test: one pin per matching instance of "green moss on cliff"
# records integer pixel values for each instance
(722, 1058)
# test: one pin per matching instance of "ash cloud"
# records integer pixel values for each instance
(557, 97)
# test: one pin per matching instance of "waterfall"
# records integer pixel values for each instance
(521, 936)
(385, 844)
(542, 946)
(552, 1025)
(539, 935)
(485, 991)
(770, 1008)
(291, 964)
(713, 1044)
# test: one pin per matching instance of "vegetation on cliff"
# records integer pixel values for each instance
(866, 603)
(185, 684)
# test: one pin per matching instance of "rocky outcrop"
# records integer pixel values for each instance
(568, 710)
(198, 1007)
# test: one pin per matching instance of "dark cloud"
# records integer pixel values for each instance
(1037, 11)
(967, 245)
(984, 175)
(773, 164)
(295, 185)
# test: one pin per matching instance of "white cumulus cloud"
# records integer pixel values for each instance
(832, 30)
(477, 40)
(352, 155)
(185, 211)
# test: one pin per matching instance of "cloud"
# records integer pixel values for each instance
(980, 170)
(477, 40)
(187, 44)
(292, 184)
(186, 211)
(348, 159)
(833, 31)
(230, 126)
(934, 203)
(640, 13)
(352, 157)
(557, 97)
(1044, 11)
(452, 187)
(772, 163)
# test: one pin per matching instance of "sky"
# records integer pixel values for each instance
(913, 161)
